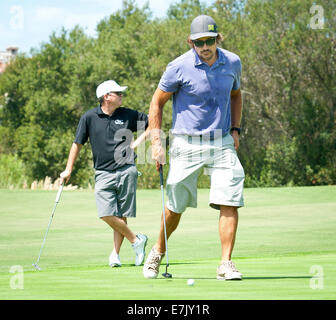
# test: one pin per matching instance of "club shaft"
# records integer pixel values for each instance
(164, 224)
(46, 234)
(164, 215)
(60, 189)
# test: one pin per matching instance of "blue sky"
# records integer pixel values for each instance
(28, 23)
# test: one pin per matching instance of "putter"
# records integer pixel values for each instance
(166, 274)
(35, 265)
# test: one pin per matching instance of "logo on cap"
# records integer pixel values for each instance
(203, 26)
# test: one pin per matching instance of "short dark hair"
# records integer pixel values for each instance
(219, 39)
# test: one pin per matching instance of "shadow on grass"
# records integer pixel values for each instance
(163, 263)
(245, 278)
(275, 278)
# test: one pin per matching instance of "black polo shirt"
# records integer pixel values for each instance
(110, 136)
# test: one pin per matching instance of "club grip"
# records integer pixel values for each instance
(59, 193)
(161, 175)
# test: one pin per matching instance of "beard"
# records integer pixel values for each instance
(206, 55)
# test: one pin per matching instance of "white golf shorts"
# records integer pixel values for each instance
(218, 157)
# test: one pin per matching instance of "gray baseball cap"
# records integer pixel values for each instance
(203, 26)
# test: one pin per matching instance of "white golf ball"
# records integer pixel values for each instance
(190, 282)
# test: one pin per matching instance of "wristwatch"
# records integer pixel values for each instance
(235, 129)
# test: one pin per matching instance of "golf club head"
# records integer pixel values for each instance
(167, 275)
(36, 267)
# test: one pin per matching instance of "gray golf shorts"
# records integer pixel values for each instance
(218, 158)
(115, 192)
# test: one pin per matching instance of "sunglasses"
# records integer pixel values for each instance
(208, 42)
(117, 93)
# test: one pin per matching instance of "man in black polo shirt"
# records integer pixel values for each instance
(109, 128)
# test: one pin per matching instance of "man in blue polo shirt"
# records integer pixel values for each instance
(207, 105)
(109, 128)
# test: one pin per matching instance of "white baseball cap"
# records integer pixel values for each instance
(108, 86)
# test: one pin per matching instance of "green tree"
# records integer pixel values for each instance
(288, 85)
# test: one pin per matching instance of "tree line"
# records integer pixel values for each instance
(288, 54)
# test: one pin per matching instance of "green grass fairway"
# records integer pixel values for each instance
(285, 237)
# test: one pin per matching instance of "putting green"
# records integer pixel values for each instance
(285, 248)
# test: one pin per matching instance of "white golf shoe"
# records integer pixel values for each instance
(228, 271)
(152, 264)
(139, 249)
(114, 260)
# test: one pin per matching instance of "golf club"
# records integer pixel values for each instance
(35, 265)
(166, 274)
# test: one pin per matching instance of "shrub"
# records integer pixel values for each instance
(12, 172)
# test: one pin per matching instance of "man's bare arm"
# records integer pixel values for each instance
(74, 151)
(140, 139)
(159, 99)
(236, 113)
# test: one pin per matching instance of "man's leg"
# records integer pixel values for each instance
(228, 222)
(116, 192)
(120, 226)
(121, 229)
(152, 264)
(118, 239)
(172, 221)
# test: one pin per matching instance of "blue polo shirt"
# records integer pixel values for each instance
(201, 99)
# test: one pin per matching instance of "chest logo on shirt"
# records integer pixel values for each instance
(119, 122)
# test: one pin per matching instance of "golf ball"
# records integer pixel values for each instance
(190, 282)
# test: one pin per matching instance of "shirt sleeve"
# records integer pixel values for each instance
(238, 69)
(82, 132)
(169, 81)
(141, 122)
